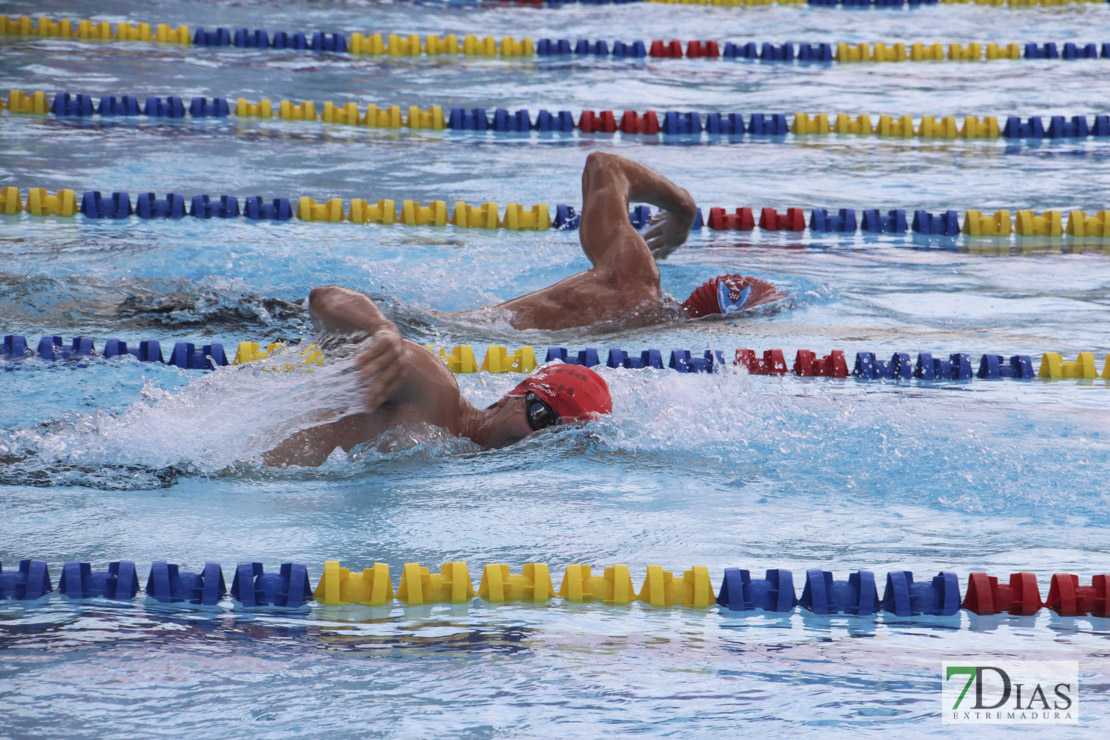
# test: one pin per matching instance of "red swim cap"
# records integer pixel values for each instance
(722, 294)
(576, 393)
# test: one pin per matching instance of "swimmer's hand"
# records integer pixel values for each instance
(667, 231)
(380, 367)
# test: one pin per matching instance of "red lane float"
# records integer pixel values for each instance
(772, 363)
(672, 49)
(793, 220)
(722, 220)
(696, 49)
(986, 595)
(633, 123)
(603, 122)
(832, 365)
(1068, 599)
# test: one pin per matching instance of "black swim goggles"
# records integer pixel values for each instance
(539, 414)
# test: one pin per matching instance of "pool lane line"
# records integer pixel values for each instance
(289, 586)
(720, 127)
(516, 217)
(461, 359)
(448, 45)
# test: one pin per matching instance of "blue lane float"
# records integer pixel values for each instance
(203, 206)
(170, 107)
(256, 209)
(941, 224)
(763, 124)
(995, 367)
(119, 582)
(289, 587)
(95, 205)
(773, 593)
(184, 355)
(1059, 127)
(168, 584)
(956, 367)
(52, 347)
(724, 124)
(546, 121)
(842, 222)
(681, 124)
(147, 205)
(939, 596)
(125, 105)
(867, 367)
(76, 105)
(31, 581)
(202, 108)
(148, 350)
(824, 595)
(567, 218)
(876, 222)
(649, 358)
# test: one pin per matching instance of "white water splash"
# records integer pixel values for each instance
(230, 415)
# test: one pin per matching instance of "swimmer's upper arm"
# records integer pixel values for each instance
(340, 309)
(307, 448)
(605, 231)
(609, 184)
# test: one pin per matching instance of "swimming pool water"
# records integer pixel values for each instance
(124, 460)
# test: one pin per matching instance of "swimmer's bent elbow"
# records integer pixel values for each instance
(319, 296)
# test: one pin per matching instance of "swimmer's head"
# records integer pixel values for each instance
(554, 394)
(570, 392)
(723, 294)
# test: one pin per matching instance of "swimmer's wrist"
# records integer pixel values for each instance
(682, 209)
(387, 328)
(387, 333)
(686, 209)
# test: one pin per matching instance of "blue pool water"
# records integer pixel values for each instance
(112, 460)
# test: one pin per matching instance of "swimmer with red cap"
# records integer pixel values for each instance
(406, 384)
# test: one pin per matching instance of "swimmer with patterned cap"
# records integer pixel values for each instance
(621, 290)
(405, 383)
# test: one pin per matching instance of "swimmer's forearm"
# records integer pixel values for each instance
(645, 185)
(381, 366)
(340, 309)
(308, 448)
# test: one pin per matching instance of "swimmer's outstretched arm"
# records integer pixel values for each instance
(348, 311)
(609, 184)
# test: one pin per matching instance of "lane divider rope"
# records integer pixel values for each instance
(516, 217)
(822, 594)
(498, 359)
(410, 45)
(649, 123)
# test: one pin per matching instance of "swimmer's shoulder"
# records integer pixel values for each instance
(426, 370)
